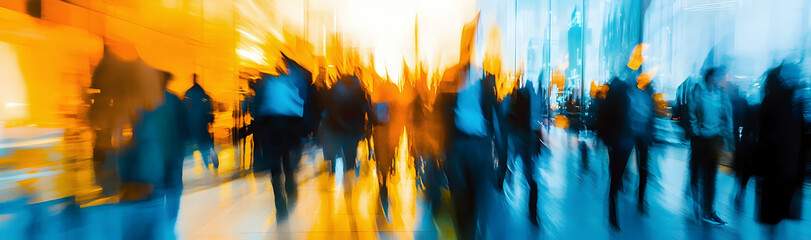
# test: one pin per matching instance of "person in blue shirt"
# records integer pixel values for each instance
(279, 127)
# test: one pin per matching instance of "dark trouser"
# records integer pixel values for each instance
(384, 157)
(584, 155)
(205, 144)
(642, 160)
(105, 163)
(501, 169)
(618, 155)
(743, 166)
(779, 199)
(502, 153)
(338, 144)
(296, 153)
(526, 146)
(432, 181)
(278, 136)
(704, 166)
(429, 168)
(384, 152)
(692, 167)
(467, 173)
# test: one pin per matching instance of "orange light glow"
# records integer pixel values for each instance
(13, 99)
(341, 31)
(637, 58)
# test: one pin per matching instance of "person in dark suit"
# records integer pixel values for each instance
(201, 116)
(744, 123)
(524, 142)
(643, 116)
(625, 121)
(347, 107)
(782, 154)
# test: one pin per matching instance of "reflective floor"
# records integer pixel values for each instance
(572, 203)
(573, 206)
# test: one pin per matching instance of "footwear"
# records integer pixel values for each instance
(534, 220)
(614, 225)
(713, 218)
(384, 204)
(612, 215)
(738, 202)
(281, 212)
(642, 209)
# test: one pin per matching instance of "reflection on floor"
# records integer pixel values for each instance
(326, 208)
(573, 205)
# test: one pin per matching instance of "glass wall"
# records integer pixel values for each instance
(748, 36)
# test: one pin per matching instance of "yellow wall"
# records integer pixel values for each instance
(57, 53)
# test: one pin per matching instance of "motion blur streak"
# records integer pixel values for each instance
(390, 119)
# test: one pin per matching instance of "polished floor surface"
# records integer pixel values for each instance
(573, 205)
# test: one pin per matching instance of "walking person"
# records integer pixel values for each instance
(711, 125)
(464, 99)
(109, 112)
(345, 113)
(152, 170)
(744, 127)
(682, 112)
(625, 122)
(201, 117)
(642, 120)
(782, 155)
(279, 128)
(523, 141)
(470, 147)
(385, 132)
(176, 138)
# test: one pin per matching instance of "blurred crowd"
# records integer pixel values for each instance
(464, 128)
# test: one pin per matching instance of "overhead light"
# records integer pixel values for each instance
(249, 35)
(712, 6)
(254, 54)
(13, 104)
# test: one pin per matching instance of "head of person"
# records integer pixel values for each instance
(715, 77)
(791, 75)
(772, 80)
(165, 78)
(781, 78)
